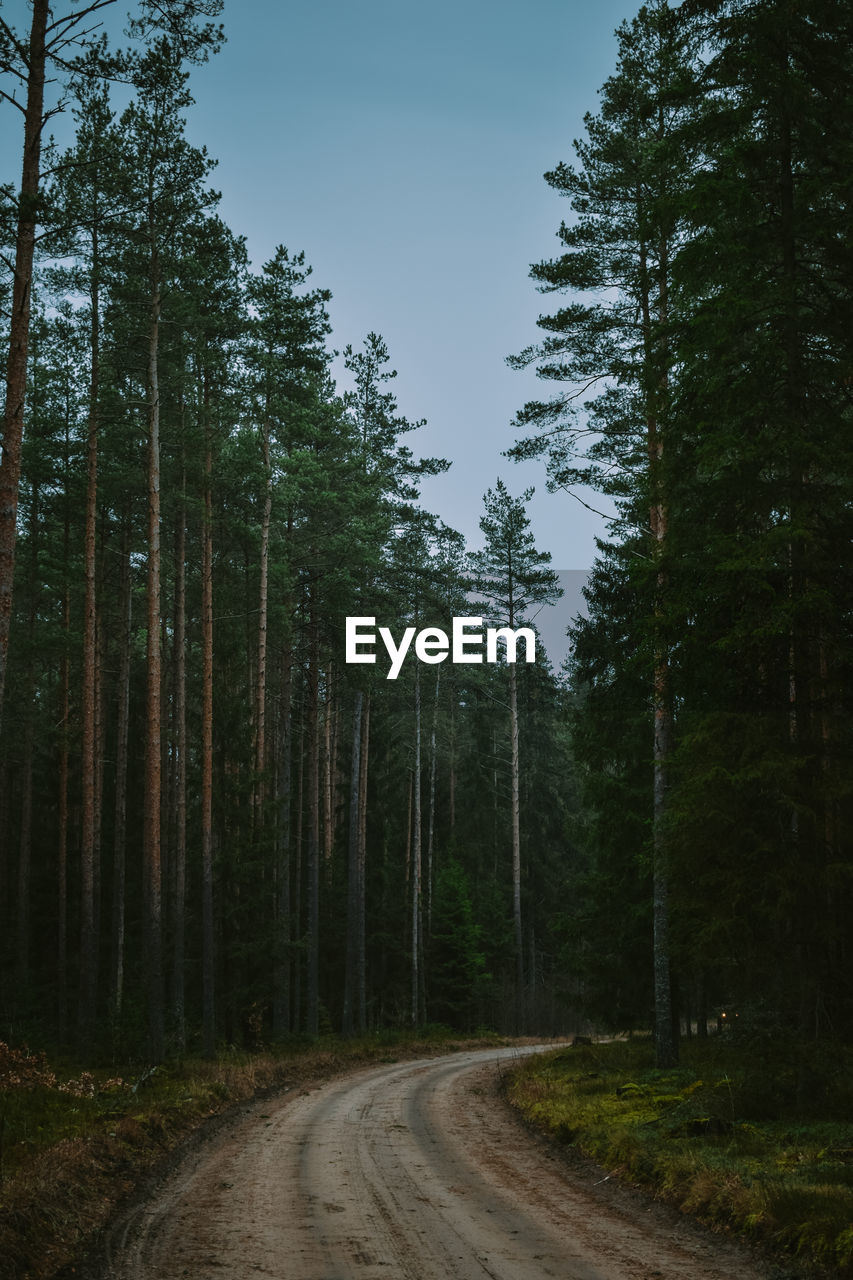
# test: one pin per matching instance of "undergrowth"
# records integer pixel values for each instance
(75, 1142)
(754, 1139)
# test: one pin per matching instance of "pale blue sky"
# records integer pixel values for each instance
(402, 146)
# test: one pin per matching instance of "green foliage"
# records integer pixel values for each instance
(456, 962)
(722, 1136)
(702, 382)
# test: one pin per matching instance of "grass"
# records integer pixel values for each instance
(75, 1144)
(753, 1138)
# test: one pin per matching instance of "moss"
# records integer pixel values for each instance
(707, 1139)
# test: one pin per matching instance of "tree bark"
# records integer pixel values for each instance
(432, 764)
(516, 852)
(666, 1042)
(207, 938)
(120, 820)
(351, 963)
(180, 781)
(88, 749)
(263, 611)
(281, 999)
(19, 327)
(328, 800)
(62, 800)
(313, 727)
(361, 957)
(26, 783)
(416, 860)
(153, 957)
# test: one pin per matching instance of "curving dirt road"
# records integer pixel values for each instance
(415, 1171)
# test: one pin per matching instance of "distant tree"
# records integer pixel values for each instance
(456, 962)
(512, 576)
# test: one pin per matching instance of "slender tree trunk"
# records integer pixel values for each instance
(25, 858)
(120, 820)
(361, 958)
(281, 1000)
(406, 929)
(19, 326)
(298, 877)
(451, 782)
(89, 735)
(64, 760)
(328, 812)
(100, 741)
(207, 939)
(516, 852)
(432, 763)
(351, 964)
(263, 611)
(666, 1043)
(313, 974)
(26, 783)
(416, 860)
(180, 780)
(153, 958)
(62, 808)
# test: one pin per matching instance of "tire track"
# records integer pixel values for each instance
(411, 1171)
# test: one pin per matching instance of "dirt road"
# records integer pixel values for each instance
(412, 1171)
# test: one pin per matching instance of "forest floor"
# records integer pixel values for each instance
(750, 1135)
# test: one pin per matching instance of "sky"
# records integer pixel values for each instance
(402, 147)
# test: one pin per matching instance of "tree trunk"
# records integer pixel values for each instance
(62, 805)
(351, 963)
(297, 871)
(666, 1043)
(416, 860)
(153, 958)
(26, 784)
(281, 999)
(19, 326)
(207, 940)
(431, 836)
(180, 780)
(263, 611)
(88, 710)
(516, 853)
(328, 800)
(313, 973)
(120, 821)
(451, 781)
(25, 858)
(361, 958)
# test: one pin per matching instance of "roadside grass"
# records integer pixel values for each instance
(755, 1139)
(75, 1143)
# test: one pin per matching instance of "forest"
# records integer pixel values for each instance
(216, 830)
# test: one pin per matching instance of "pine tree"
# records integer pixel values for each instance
(627, 231)
(512, 577)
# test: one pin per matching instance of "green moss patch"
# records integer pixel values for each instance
(758, 1144)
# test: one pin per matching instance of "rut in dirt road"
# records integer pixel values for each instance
(414, 1171)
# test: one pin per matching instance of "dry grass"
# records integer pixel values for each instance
(72, 1160)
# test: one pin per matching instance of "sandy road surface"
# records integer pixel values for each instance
(415, 1171)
